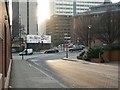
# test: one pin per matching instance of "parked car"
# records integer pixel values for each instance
(26, 52)
(14, 50)
(51, 51)
(76, 49)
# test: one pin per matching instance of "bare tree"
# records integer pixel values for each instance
(81, 29)
(109, 27)
(17, 30)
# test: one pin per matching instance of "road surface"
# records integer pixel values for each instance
(83, 75)
(77, 74)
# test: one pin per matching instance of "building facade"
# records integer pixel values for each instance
(73, 7)
(24, 20)
(58, 29)
(28, 16)
(5, 45)
(98, 19)
(61, 9)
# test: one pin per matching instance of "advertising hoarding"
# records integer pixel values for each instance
(38, 39)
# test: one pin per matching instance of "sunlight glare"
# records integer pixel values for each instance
(43, 10)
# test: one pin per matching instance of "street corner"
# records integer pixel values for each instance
(68, 59)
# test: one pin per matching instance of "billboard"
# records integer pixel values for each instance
(38, 39)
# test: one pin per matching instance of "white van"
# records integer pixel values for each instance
(26, 52)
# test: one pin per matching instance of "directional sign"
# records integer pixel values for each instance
(67, 37)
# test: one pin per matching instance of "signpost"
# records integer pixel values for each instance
(66, 39)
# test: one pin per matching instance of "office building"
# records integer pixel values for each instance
(24, 20)
(73, 7)
(99, 18)
(61, 10)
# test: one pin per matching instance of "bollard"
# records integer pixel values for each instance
(22, 57)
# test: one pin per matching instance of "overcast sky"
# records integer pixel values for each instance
(114, 1)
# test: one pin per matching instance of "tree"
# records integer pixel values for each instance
(17, 30)
(109, 27)
(81, 29)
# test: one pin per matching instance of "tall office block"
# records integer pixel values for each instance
(26, 14)
(24, 18)
(73, 7)
(61, 12)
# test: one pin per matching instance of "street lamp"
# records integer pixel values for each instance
(89, 37)
(21, 40)
(66, 44)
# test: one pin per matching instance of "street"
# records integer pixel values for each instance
(75, 74)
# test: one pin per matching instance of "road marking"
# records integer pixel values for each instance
(49, 76)
(30, 65)
(43, 67)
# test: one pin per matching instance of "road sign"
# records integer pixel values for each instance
(67, 37)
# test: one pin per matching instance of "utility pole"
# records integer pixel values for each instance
(66, 44)
(89, 36)
(20, 30)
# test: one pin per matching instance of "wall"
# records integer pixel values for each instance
(5, 45)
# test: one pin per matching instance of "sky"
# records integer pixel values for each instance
(43, 9)
(114, 1)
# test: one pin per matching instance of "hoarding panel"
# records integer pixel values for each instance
(38, 39)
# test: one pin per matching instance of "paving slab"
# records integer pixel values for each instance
(25, 75)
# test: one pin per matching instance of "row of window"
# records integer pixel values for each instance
(64, 12)
(64, 8)
(82, 9)
(64, 4)
(89, 2)
(86, 5)
(77, 5)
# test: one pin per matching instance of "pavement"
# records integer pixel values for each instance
(111, 63)
(26, 75)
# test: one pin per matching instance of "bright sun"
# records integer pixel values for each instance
(43, 10)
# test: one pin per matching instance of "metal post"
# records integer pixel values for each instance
(20, 29)
(89, 40)
(66, 44)
(66, 51)
(22, 56)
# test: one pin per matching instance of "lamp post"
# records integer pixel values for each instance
(20, 26)
(89, 36)
(66, 44)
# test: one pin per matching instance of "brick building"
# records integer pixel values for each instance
(5, 45)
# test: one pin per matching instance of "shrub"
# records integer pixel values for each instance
(112, 47)
(94, 52)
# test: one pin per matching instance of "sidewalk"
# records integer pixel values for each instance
(25, 75)
(111, 63)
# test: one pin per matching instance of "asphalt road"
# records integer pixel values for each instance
(73, 74)
(77, 74)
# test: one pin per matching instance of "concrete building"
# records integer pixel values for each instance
(73, 7)
(24, 19)
(28, 13)
(61, 10)
(58, 29)
(109, 11)
(105, 7)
